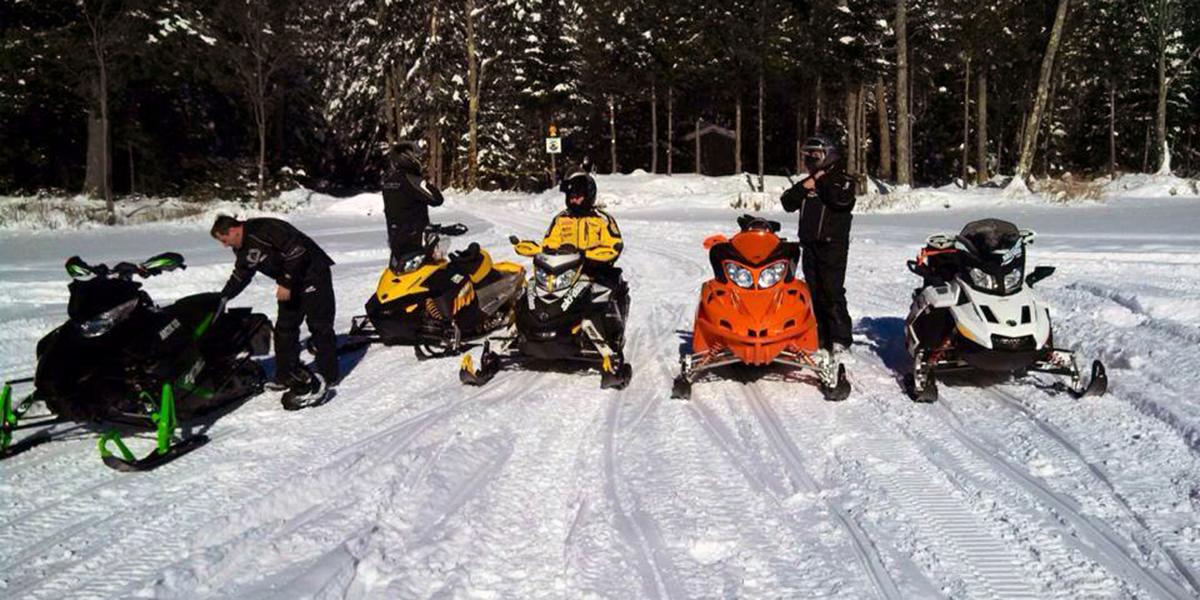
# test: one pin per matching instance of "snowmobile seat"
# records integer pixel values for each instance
(476, 264)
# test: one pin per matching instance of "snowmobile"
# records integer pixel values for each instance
(121, 361)
(438, 304)
(755, 311)
(976, 310)
(567, 315)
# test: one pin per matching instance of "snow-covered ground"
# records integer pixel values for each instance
(540, 485)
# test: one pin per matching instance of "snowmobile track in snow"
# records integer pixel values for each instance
(789, 454)
(1073, 453)
(1102, 544)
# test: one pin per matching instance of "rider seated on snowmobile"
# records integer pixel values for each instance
(588, 229)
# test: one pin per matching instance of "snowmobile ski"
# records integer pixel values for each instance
(165, 451)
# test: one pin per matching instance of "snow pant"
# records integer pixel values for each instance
(824, 265)
(311, 300)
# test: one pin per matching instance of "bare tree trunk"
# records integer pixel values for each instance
(94, 180)
(670, 130)
(1146, 149)
(799, 135)
(885, 133)
(472, 100)
(820, 97)
(1160, 122)
(612, 132)
(654, 128)
(1029, 139)
(699, 168)
(389, 107)
(903, 143)
(1112, 128)
(851, 100)
(861, 188)
(966, 149)
(761, 130)
(982, 173)
(737, 138)
(132, 184)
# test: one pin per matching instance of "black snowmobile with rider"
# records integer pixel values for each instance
(576, 305)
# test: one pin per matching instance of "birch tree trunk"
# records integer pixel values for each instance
(699, 169)
(799, 135)
(982, 173)
(852, 132)
(903, 146)
(761, 130)
(1160, 121)
(472, 100)
(1029, 138)
(885, 133)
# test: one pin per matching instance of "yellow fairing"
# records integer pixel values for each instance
(392, 286)
(527, 248)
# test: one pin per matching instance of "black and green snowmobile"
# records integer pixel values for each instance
(120, 361)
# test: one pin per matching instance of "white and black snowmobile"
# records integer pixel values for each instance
(567, 314)
(977, 310)
(122, 361)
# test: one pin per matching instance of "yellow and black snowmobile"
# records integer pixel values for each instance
(439, 303)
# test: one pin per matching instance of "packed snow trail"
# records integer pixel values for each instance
(541, 485)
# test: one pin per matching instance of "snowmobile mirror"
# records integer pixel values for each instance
(159, 263)
(527, 248)
(78, 269)
(917, 268)
(1027, 236)
(713, 240)
(1038, 274)
(514, 240)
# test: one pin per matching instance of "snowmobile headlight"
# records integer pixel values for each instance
(544, 279)
(739, 275)
(412, 264)
(772, 275)
(1012, 280)
(982, 280)
(105, 321)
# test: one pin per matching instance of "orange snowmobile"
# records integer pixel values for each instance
(756, 312)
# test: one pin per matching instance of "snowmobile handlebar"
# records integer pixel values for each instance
(155, 265)
(452, 230)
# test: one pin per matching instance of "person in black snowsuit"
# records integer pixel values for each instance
(406, 200)
(825, 200)
(304, 291)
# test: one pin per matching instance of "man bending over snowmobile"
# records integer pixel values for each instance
(588, 228)
(825, 200)
(305, 291)
(406, 200)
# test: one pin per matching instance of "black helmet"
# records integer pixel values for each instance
(580, 190)
(819, 153)
(406, 157)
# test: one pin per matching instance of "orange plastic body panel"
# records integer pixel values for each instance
(755, 325)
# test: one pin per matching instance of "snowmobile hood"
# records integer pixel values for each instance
(755, 246)
(393, 286)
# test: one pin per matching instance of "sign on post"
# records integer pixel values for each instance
(554, 145)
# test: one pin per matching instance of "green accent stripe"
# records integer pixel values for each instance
(202, 328)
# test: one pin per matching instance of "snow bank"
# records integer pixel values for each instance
(78, 212)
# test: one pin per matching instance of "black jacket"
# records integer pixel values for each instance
(279, 251)
(406, 202)
(825, 211)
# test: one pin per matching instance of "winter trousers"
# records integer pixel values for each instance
(824, 265)
(313, 301)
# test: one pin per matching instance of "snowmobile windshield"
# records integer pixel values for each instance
(98, 305)
(557, 272)
(998, 271)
